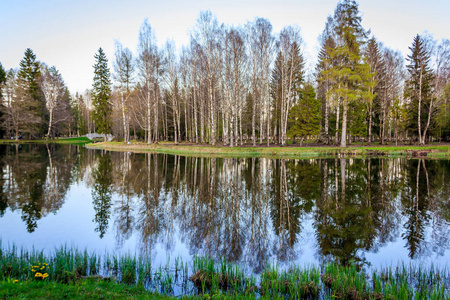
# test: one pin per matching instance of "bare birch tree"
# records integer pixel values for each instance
(123, 75)
(261, 48)
(206, 38)
(149, 67)
(290, 71)
(53, 89)
(171, 79)
(235, 63)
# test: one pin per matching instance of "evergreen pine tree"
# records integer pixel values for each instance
(323, 78)
(77, 122)
(101, 94)
(2, 78)
(29, 94)
(2, 81)
(349, 71)
(29, 73)
(419, 89)
(375, 62)
(304, 117)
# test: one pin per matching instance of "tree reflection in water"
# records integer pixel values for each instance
(101, 192)
(36, 179)
(243, 209)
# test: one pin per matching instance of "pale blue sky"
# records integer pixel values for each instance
(67, 34)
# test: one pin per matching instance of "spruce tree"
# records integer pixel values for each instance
(101, 94)
(375, 62)
(28, 92)
(2, 78)
(29, 73)
(2, 81)
(419, 89)
(349, 71)
(304, 117)
(323, 77)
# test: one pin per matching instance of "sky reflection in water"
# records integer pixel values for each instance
(252, 210)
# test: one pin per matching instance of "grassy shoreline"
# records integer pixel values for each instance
(186, 149)
(73, 140)
(74, 274)
(432, 151)
(89, 288)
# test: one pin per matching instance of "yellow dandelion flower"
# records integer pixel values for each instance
(15, 281)
(38, 274)
(44, 276)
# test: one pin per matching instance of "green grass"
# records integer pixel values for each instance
(437, 151)
(73, 273)
(89, 288)
(72, 140)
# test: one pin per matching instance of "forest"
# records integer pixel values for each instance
(243, 84)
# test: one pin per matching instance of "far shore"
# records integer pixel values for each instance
(307, 150)
(276, 151)
(62, 140)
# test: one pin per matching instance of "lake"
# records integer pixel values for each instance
(375, 211)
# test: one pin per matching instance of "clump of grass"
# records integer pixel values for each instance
(128, 269)
(293, 283)
(144, 271)
(412, 282)
(222, 277)
(346, 282)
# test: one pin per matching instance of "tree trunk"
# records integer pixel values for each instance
(254, 120)
(261, 128)
(186, 121)
(202, 122)
(268, 124)
(240, 126)
(156, 126)
(16, 136)
(50, 123)
(430, 111)
(212, 108)
(231, 131)
(125, 135)
(396, 133)
(195, 116)
(344, 125)
(327, 137)
(420, 109)
(149, 110)
(336, 135)
(175, 128)
(370, 122)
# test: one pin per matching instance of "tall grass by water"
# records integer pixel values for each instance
(207, 278)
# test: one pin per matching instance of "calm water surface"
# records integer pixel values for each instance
(249, 210)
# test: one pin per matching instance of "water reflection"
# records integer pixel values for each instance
(101, 192)
(35, 179)
(247, 210)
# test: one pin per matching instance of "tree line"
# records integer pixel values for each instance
(240, 84)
